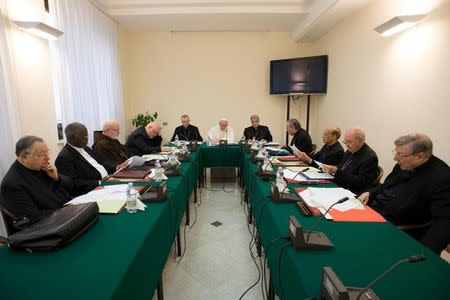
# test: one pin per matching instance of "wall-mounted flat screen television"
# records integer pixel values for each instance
(307, 75)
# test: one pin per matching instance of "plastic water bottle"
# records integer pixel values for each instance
(132, 196)
(281, 184)
(159, 171)
(280, 178)
(253, 140)
(177, 141)
(266, 165)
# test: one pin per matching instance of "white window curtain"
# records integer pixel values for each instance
(86, 65)
(9, 117)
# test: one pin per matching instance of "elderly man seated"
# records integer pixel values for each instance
(146, 140)
(186, 132)
(257, 131)
(77, 161)
(300, 138)
(358, 169)
(221, 132)
(108, 149)
(331, 152)
(32, 187)
(416, 191)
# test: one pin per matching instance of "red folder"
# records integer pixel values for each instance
(288, 158)
(352, 215)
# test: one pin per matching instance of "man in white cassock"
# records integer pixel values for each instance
(221, 132)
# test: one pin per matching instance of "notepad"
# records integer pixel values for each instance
(111, 207)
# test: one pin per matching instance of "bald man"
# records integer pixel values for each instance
(358, 169)
(108, 149)
(221, 132)
(145, 140)
(331, 152)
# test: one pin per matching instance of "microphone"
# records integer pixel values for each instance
(298, 173)
(411, 259)
(323, 216)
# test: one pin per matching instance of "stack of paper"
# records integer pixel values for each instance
(325, 197)
(109, 198)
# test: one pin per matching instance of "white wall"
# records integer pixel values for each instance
(206, 75)
(389, 86)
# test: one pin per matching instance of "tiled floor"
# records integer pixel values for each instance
(217, 263)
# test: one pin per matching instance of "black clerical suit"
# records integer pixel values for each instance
(190, 133)
(415, 197)
(138, 143)
(302, 141)
(32, 194)
(330, 155)
(357, 171)
(84, 176)
(109, 151)
(259, 133)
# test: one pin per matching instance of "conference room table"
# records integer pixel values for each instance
(122, 256)
(362, 251)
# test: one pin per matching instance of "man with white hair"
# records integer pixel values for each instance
(108, 149)
(146, 140)
(416, 191)
(358, 169)
(221, 132)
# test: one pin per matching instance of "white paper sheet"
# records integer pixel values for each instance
(318, 176)
(325, 197)
(149, 157)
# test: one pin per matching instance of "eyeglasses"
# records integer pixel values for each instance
(349, 142)
(401, 155)
(42, 154)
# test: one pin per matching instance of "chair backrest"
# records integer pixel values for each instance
(97, 135)
(377, 180)
(314, 147)
(7, 219)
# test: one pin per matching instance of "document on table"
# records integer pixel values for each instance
(325, 197)
(317, 176)
(115, 193)
(294, 149)
(293, 175)
(300, 169)
(319, 164)
(149, 157)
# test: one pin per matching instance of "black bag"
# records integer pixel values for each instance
(57, 229)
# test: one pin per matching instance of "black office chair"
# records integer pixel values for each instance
(97, 135)
(377, 180)
(313, 151)
(416, 230)
(7, 219)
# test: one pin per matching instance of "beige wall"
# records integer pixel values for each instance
(389, 86)
(206, 75)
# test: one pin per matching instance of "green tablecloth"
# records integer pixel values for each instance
(121, 257)
(361, 252)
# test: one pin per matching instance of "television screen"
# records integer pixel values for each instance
(306, 75)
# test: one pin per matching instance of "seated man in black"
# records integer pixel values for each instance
(77, 161)
(300, 139)
(358, 169)
(107, 149)
(331, 152)
(146, 140)
(186, 132)
(416, 191)
(259, 132)
(32, 187)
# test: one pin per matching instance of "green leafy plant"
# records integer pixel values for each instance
(143, 119)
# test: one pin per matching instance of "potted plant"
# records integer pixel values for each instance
(143, 119)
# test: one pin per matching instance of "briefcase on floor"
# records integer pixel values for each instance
(57, 229)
